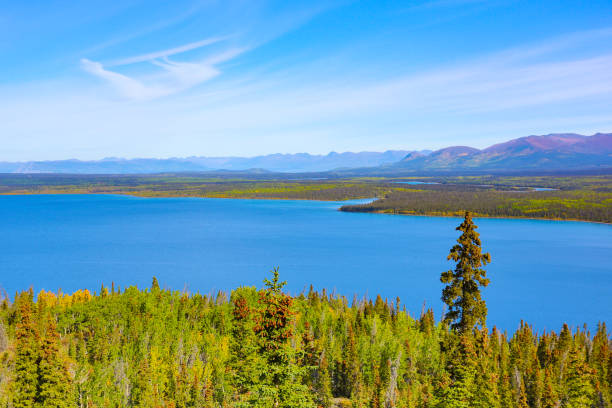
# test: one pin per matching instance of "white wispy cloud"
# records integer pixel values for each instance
(165, 53)
(128, 87)
(174, 77)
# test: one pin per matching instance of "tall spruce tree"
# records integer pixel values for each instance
(549, 392)
(600, 358)
(155, 285)
(242, 345)
(487, 394)
(55, 388)
(466, 308)
(457, 389)
(27, 356)
(279, 384)
(579, 390)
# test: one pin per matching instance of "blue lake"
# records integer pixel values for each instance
(545, 272)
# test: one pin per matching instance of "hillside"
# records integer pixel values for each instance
(548, 152)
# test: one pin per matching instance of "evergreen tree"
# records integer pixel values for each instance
(549, 393)
(27, 356)
(242, 345)
(143, 392)
(155, 285)
(310, 354)
(562, 348)
(55, 387)
(522, 395)
(487, 395)
(376, 399)
(461, 367)
(466, 309)
(579, 390)
(354, 370)
(279, 385)
(323, 383)
(600, 359)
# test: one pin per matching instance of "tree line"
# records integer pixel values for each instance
(452, 201)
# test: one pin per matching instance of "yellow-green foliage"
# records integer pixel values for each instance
(161, 348)
(588, 199)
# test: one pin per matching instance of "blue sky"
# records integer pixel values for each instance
(93, 79)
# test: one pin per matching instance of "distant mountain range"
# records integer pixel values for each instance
(552, 152)
(549, 152)
(300, 162)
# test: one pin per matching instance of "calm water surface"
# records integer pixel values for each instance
(545, 272)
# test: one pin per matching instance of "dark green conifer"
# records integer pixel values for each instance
(466, 308)
(323, 383)
(143, 392)
(310, 351)
(427, 322)
(27, 356)
(563, 344)
(486, 391)
(354, 365)
(279, 383)
(242, 345)
(155, 285)
(55, 383)
(461, 366)
(579, 390)
(549, 392)
(522, 395)
(600, 359)
(544, 350)
(377, 397)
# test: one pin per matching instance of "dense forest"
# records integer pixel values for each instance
(156, 347)
(233, 185)
(556, 199)
(540, 204)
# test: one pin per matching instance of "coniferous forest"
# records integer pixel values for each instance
(127, 347)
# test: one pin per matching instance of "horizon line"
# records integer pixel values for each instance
(116, 158)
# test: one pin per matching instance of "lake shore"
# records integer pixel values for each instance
(29, 193)
(475, 215)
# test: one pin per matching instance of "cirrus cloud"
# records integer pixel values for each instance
(174, 76)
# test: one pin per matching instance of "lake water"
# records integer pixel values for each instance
(545, 272)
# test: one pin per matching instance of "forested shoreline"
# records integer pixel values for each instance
(588, 199)
(584, 198)
(549, 205)
(255, 347)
